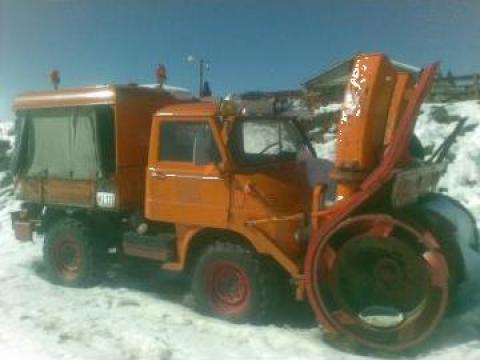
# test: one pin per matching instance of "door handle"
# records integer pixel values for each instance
(155, 173)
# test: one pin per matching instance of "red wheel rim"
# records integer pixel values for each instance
(334, 310)
(66, 254)
(228, 288)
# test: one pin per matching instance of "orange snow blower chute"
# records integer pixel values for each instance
(375, 97)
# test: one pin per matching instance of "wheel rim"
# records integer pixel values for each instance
(228, 288)
(66, 255)
(382, 272)
(380, 281)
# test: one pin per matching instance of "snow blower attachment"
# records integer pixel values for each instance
(384, 260)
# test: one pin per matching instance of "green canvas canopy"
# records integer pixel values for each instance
(64, 142)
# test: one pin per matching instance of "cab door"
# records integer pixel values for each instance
(184, 185)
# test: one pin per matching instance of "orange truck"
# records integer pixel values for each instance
(224, 195)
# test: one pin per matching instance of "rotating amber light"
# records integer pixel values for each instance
(55, 78)
(161, 73)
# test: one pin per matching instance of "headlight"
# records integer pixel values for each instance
(106, 199)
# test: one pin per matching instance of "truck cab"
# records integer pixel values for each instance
(214, 171)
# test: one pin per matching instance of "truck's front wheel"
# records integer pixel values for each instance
(231, 282)
(70, 255)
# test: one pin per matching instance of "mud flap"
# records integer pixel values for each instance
(22, 228)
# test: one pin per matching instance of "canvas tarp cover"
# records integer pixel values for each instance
(61, 143)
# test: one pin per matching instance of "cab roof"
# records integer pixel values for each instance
(95, 95)
(194, 109)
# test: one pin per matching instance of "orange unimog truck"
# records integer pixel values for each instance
(231, 198)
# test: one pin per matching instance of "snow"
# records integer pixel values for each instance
(151, 318)
(117, 321)
(463, 175)
(327, 108)
(176, 91)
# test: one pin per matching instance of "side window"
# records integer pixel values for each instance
(105, 126)
(187, 142)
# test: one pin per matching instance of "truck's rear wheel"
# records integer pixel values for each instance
(378, 281)
(70, 254)
(231, 282)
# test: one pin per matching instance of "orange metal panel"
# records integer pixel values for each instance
(183, 192)
(362, 124)
(403, 88)
(272, 193)
(187, 111)
(57, 191)
(133, 120)
(145, 252)
(69, 192)
(361, 127)
(29, 189)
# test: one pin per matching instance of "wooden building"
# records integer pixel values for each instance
(328, 86)
(455, 88)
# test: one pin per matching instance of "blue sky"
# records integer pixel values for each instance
(251, 45)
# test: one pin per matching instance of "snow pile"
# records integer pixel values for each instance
(6, 130)
(150, 318)
(327, 109)
(324, 133)
(6, 147)
(462, 178)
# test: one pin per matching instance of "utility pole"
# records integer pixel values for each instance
(203, 66)
(200, 89)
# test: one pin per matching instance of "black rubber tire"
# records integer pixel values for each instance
(264, 289)
(90, 254)
(444, 232)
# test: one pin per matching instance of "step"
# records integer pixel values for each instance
(161, 247)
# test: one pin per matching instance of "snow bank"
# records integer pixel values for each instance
(327, 108)
(463, 174)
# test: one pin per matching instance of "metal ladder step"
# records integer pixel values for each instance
(161, 247)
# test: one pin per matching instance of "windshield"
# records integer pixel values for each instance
(263, 141)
